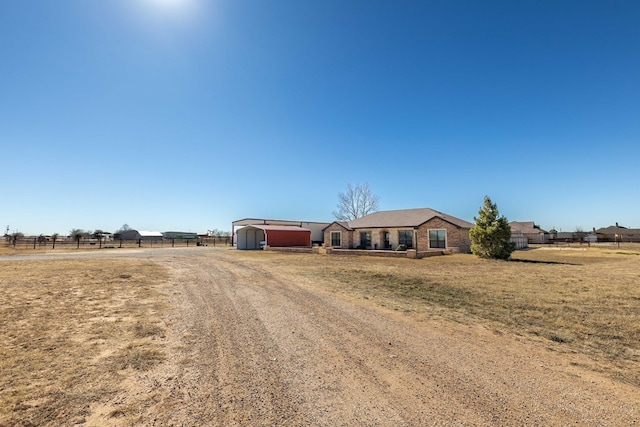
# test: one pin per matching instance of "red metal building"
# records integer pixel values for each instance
(256, 236)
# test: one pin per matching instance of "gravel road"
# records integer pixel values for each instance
(251, 347)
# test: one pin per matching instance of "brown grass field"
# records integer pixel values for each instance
(72, 331)
(576, 300)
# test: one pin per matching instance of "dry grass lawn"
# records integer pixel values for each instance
(574, 300)
(72, 331)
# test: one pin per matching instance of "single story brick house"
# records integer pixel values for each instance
(421, 229)
(618, 233)
(530, 230)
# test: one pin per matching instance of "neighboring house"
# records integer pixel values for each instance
(421, 229)
(275, 236)
(316, 228)
(530, 230)
(617, 233)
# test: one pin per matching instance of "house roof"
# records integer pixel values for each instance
(615, 229)
(526, 227)
(403, 218)
(276, 227)
(265, 221)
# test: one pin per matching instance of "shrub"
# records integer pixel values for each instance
(491, 236)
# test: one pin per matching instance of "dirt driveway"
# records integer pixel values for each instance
(250, 347)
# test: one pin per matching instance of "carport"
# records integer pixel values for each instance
(257, 236)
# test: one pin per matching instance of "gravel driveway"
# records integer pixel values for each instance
(249, 347)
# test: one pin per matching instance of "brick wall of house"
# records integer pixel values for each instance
(346, 238)
(457, 238)
(377, 237)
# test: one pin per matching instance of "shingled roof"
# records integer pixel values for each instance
(616, 229)
(526, 227)
(403, 218)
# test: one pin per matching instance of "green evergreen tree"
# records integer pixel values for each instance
(491, 235)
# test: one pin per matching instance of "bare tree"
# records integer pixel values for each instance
(125, 227)
(356, 202)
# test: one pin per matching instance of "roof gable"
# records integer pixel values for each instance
(342, 224)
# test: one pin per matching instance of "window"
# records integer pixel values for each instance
(438, 239)
(336, 238)
(386, 237)
(405, 238)
(365, 239)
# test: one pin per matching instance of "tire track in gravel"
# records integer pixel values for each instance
(234, 382)
(259, 348)
(389, 374)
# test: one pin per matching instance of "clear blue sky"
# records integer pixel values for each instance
(189, 114)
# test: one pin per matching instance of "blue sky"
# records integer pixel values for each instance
(189, 114)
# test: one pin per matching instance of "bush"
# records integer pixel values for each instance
(401, 248)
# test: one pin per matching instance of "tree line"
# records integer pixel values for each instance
(78, 234)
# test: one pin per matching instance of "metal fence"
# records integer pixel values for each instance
(68, 243)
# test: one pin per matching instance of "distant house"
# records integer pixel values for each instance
(530, 230)
(617, 233)
(422, 229)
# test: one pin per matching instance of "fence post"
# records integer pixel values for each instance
(34, 243)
